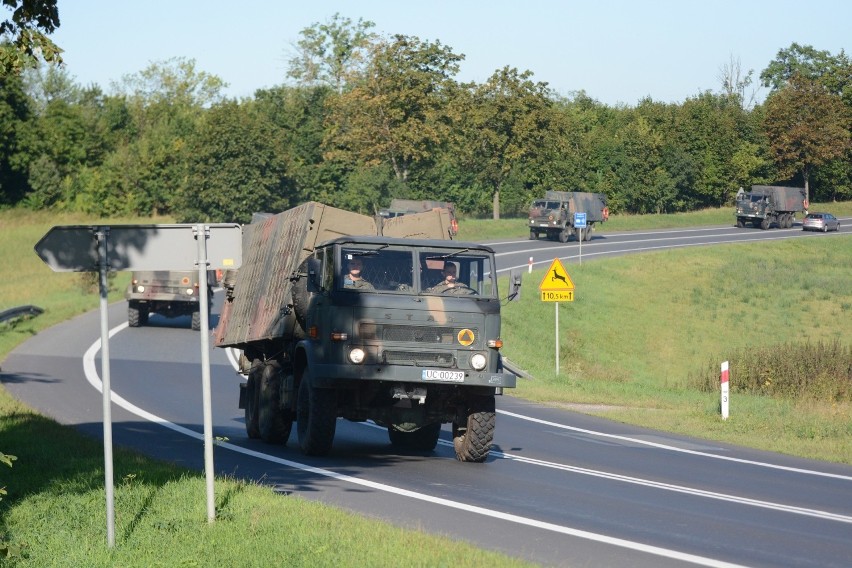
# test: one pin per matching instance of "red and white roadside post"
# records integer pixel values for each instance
(529, 267)
(723, 378)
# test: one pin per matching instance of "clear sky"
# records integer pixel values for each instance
(617, 51)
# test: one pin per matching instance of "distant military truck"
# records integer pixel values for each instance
(339, 316)
(399, 207)
(167, 293)
(553, 216)
(767, 205)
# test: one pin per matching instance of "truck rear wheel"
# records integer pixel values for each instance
(472, 439)
(274, 423)
(423, 439)
(588, 233)
(316, 418)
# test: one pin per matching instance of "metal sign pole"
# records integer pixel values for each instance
(202, 233)
(580, 257)
(102, 233)
(557, 336)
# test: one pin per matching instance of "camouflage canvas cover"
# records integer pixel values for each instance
(781, 198)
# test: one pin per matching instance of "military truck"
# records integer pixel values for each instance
(396, 349)
(553, 216)
(167, 293)
(399, 207)
(767, 205)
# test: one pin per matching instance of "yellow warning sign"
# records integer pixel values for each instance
(556, 286)
(465, 337)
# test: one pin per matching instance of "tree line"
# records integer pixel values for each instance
(362, 118)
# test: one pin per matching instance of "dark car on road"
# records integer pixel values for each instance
(821, 222)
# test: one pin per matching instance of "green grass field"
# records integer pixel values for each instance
(640, 344)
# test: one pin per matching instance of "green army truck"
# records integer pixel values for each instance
(553, 216)
(767, 205)
(391, 341)
(167, 293)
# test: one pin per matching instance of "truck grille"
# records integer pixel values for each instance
(407, 333)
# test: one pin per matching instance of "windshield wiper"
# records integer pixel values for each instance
(446, 256)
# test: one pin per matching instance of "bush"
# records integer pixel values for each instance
(821, 371)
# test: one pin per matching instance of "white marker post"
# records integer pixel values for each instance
(529, 269)
(725, 389)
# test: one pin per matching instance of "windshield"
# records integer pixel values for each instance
(543, 204)
(416, 271)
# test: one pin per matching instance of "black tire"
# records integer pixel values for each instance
(316, 418)
(274, 423)
(251, 414)
(533, 236)
(564, 236)
(422, 440)
(740, 223)
(472, 439)
(765, 224)
(196, 321)
(825, 228)
(588, 235)
(136, 315)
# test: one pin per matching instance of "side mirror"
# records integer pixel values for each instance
(514, 285)
(314, 276)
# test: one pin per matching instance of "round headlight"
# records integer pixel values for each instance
(478, 361)
(190, 291)
(140, 288)
(356, 355)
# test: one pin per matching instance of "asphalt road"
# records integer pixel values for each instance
(560, 488)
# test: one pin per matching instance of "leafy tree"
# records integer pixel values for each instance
(235, 167)
(23, 37)
(15, 115)
(807, 126)
(506, 119)
(396, 115)
(165, 101)
(331, 54)
(834, 72)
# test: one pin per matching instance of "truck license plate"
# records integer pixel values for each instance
(440, 375)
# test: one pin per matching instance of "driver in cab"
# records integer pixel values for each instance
(449, 285)
(353, 279)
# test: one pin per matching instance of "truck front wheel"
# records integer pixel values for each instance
(472, 438)
(274, 423)
(316, 417)
(765, 224)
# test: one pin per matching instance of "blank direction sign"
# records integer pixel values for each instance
(74, 248)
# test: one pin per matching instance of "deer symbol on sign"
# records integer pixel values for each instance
(557, 276)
